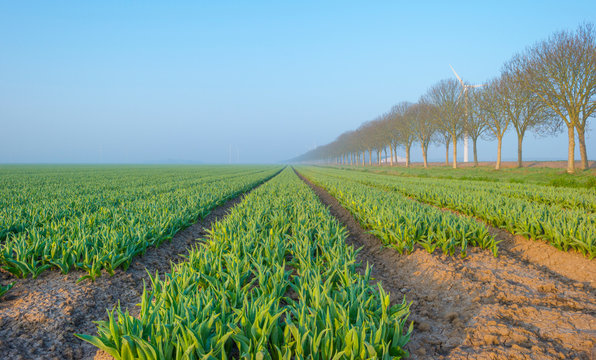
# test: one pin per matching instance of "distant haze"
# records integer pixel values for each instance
(247, 82)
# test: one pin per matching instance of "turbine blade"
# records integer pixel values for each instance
(458, 78)
(479, 85)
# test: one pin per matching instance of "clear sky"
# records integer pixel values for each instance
(129, 82)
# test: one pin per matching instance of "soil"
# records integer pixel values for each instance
(531, 302)
(39, 317)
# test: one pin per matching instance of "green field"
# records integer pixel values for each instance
(527, 175)
(275, 278)
(565, 217)
(232, 298)
(99, 217)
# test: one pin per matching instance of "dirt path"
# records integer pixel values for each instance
(39, 317)
(532, 302)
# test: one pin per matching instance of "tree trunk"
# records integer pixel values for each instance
(447, 153)
(391, 150)
(363, 157)
(475, 140)
(370, 157)
(408, 155)
(520, 140)
(571, 150)
(499, 143)
(385, 150)
(454, 139)
(395, 152)
(581, 137)
(424, 149)
(379, 157)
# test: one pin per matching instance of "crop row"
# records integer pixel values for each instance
(561, 197)
(93, 222)
(562, 227)
(274, 280)
(33, 197)
(402, 223)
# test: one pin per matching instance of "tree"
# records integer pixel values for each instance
(488, 109)
(445, 95)
(473, 125)
(561, 72)
(424, 125)
(386, 126)
(523, 109)
(382, 138)
(395, 119)
(401, 123)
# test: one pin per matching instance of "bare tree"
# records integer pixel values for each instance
(383, 136)
(488, 109)
(442, 137)
(402, 126)
(396, 127)
(367, 140)
(524, 110)
(561, 71)
(445, 95)
(423, 125)
(388, 138)
(473, 125)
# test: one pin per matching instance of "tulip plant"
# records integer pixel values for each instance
(273, 280)
(98, 219)
(402, 223)
(563, 217)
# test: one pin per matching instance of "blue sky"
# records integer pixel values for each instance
(144, 82)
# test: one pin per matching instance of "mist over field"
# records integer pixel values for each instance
(244, 82)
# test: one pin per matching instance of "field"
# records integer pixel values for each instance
(272, 262)
(550, 173)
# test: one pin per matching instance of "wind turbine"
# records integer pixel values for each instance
(464, 92)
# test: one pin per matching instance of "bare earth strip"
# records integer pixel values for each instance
(532, 302)
(38, 317)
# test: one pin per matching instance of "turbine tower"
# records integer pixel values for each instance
(464, 92)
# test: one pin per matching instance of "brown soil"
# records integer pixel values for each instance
(532, 302)
(39, 317)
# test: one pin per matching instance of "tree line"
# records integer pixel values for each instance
(547, 87)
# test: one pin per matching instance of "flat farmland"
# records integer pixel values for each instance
(272, 262)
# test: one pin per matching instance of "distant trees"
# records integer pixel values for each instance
(549, 84)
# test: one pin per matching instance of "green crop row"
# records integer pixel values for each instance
(274, 280)
(565, 198)
(564, 228)
(402, 223)
(100, 219)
